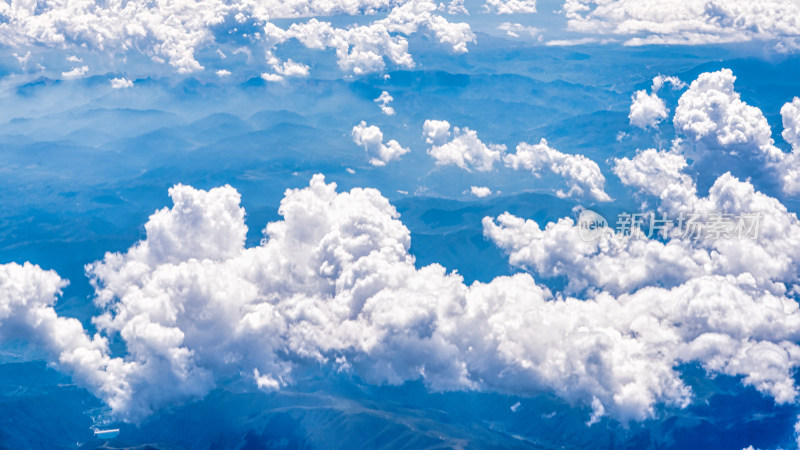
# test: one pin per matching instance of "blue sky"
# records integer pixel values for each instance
(316, 224)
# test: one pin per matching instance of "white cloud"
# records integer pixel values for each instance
(383, 101)
(660, 80)
(176, 31)
(284, 69)
(516, 30)
(271, 77)
(712, 113)
(647, 110)
(510, 6)
(457, 7)
(789, 167)
(76, 72)
(582, 175)
(27, 297)
(790, 113)
(288, 68)
(222, 73)
(121, 83)
(333, 284)
(612, 264)
(717, 122)
(692, 22)
(797, 431)
(436, 132)
(371, 138)
(659, 173)
(465, 150)
(480, 191)
(362, 49)
(705, 273)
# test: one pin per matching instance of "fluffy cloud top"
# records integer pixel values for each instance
(284, 69)
(713, 113)
(480, 191)
(75, 72)
(383, 101)
(371, 138)
(464, 150)
(717, 122)
(791, 123)
(644, 22)
(583, 176)
(333, 284)
(510, 6)
(361, 49)
(647, 110)
(174, 31)
(629, 268)
(660, 81)
(121, 83)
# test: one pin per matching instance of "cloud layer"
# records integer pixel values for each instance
(643, 22)
(176, 31)
(333, 284)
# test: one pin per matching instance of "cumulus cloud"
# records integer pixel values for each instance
(222, 73)
(76, 72)
(691, 22)
(371, 138)
(510, 6)
(27, 298)
(757, 270)
(582, 175)
(383, 101)
(284, 69)
(271, 77)
(174, 32)
(362, 49)
(480, 191)
(647, 110)
(790, 113)
(666, 258)
(121, 83)
(660, 81)
(712, 115)
(766, 264)
(464, 150)
(333, 284)
(457, 7)
(661, 174)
